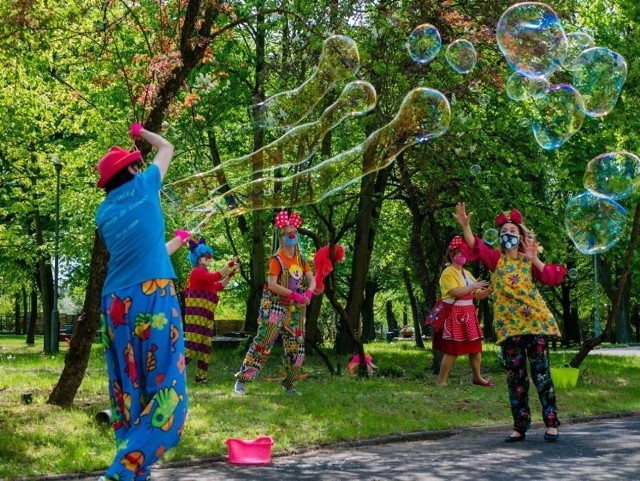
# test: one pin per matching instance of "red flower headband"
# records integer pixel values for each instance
(455, 243)
(283, 219)
(514, 217)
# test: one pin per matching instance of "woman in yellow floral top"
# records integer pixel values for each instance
(522, 321)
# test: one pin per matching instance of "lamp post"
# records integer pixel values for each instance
(55, 317)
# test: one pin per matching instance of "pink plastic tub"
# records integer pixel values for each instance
(257, 451)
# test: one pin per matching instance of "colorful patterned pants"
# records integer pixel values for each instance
(515, 352)
(142, 336)
(276, 319)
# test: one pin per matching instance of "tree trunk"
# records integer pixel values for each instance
(392, 322)
(622, 281)
(25, 318)
(372, 190)
(33, 317)
(16, 311)
(45, 284)
(415, 311)
(571, 331)
(368, 321)
(77, 357)
(622, 327)
(312, 333)
(258, 258)
(195, 39)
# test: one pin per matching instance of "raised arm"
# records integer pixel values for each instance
(464, 220)
(163, 147)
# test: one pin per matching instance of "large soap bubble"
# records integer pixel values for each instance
(424, 115)
(614, 174)
(520, 87)
(424, 43)
(338, 61)
(599, 74)
(577, 42)
(461, 56)
(291, 151)
(595, 224)
(532, 39)
(557, 116)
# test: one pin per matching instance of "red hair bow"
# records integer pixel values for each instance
(283, 219)
(514, 217)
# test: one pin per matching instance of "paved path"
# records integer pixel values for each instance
(602, 449)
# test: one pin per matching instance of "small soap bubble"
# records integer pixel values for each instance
(461, 56)
(424, 43)
(572, 273)
(490, 236)
(475, 169)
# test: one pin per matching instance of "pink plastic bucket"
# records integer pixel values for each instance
(257, 451)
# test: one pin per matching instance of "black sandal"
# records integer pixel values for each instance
(515, 439)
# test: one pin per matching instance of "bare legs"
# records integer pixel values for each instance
(449, 360)
(474, 360)
(447, 363)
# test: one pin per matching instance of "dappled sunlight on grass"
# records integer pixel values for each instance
(332, 408)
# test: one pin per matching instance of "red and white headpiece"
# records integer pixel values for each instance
(455, 243)
(283, 219)
(514, 217)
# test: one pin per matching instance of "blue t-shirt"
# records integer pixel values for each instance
(131, 224)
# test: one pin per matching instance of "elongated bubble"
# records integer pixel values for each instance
(424, 115)
(339, 60)
(614, 174)
(531, 39)
(291, 151)
(594, 224)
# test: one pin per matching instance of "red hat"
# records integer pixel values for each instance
(113, 162)
(455, 243)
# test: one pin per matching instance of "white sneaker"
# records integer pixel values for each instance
(292, 391)
(239, 388)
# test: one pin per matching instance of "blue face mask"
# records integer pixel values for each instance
(290, 241)
(509, 241)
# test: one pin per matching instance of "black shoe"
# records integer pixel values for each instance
(515, 439)
(551, 438)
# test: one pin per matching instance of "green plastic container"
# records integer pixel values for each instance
(565, 377)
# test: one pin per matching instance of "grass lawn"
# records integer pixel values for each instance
(38, 439)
